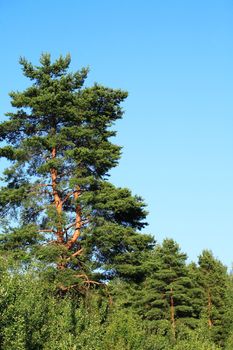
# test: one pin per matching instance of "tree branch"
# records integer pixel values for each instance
(68, 196)
(47, 230)
(71, 225)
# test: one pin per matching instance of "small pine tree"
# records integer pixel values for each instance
(165, 294)
(213, 280)
(195, 293)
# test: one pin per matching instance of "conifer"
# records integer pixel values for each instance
(57, 203)
(165, 292)
(213, 280)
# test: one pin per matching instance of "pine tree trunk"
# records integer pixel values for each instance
(210, 322)
(59, 203)
(172, 312)
(57, 200)
(78, 220)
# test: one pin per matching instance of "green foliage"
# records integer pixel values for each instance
(228, 314)
(213, 280)
(124, 331)
(56, 194)
(166, 289)
(36, 315)
(75, 271)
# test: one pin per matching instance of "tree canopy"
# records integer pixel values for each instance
(57, 196)
(66, 231)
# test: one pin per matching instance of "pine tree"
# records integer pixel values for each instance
(196, 293)
(228, 315)
(165, 296)
(57, 204)
(213, 280)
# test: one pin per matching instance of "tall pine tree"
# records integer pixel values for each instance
(57, 204)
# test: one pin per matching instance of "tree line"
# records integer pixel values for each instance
(77, 272)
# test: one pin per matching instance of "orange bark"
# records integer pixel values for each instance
(59, 205)
(57, 199)
(210, 322)
(78, 220)
(172, 313)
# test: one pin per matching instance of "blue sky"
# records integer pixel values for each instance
(175, 59)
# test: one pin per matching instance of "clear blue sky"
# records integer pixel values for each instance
(176, 60)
